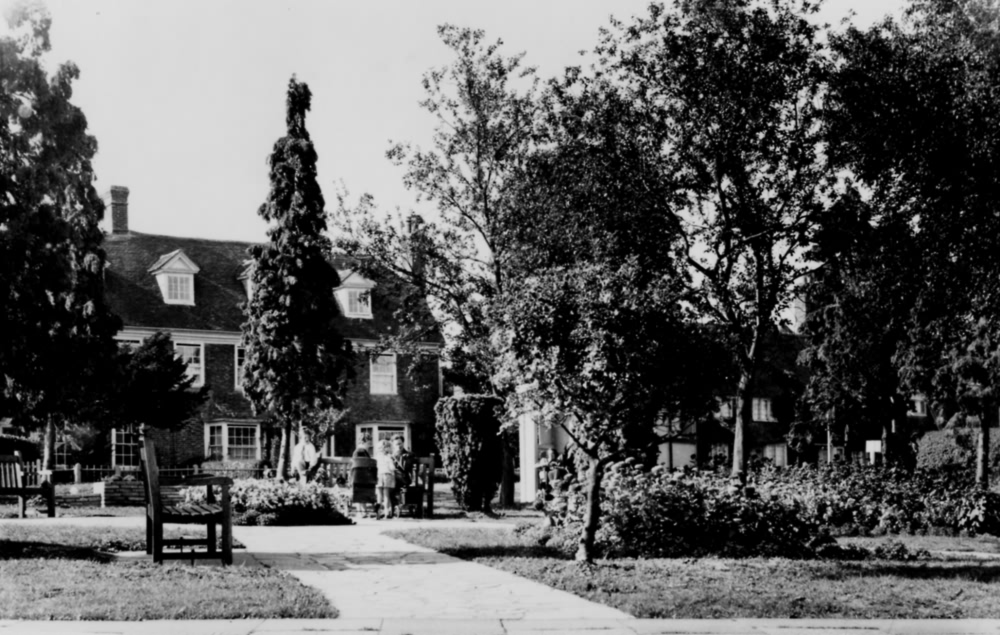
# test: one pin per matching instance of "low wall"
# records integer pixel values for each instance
(130, 493)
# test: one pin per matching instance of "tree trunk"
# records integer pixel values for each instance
(829, 444)
(507, 475)
(284, 451)
(49, 445)
(742, 423)
(592, 514)
(982, 454)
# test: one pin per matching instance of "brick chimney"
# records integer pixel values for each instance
(116, 206)
(413, 223)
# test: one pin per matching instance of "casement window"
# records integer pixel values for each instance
(193, 356)
(124, 448)
(179, 289)
(232, 442)
(240, 364)
(778, 453)
(383, 374)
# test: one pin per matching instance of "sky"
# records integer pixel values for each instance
(186, 98)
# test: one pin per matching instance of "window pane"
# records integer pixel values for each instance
(242, 443)
(191, 355)
(126, 448)
(241, 360)
(215, 443)
(383, 375)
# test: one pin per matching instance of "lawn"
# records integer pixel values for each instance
(752, 588)
(61, 573)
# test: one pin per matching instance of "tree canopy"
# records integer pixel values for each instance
(57, 329)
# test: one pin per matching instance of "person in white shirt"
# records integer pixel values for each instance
(305, 458)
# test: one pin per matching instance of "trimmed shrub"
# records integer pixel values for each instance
(273, 502)
(956, 449)
(877, 500)
(656, 513)
(468, 437)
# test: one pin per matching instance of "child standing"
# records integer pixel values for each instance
(386, 479)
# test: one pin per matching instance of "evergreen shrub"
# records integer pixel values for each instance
(468, 438)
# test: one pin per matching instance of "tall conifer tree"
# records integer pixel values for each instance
(297, 362)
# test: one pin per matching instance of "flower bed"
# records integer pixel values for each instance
(274, 502)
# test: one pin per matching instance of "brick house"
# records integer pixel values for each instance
(193, 288)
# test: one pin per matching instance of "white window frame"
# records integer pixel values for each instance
(762, 410)
(238, 367)
(391, 377)
(174, 295)
(117, 435)
(388, 429)
(200, 376)
(359, 303)
(224, 427)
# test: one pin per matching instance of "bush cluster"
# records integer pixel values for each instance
(875, 500)
(274, 502)
(787, 512)
(657, 514)
(468, 437)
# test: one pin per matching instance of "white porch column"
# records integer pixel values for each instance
(528, 431)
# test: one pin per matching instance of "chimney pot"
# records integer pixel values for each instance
(117, 200)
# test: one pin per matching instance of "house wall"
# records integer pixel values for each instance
(413, 403)
(417, 393)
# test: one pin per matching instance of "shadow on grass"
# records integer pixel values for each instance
(23, 550)
(505, 551)
(986, 572)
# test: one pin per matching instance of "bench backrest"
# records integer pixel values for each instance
(11, 471)
(151, 472)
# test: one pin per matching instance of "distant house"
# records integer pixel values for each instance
(193, 288)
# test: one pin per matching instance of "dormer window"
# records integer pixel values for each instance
(359, 303)
(174, 274)
(354, 295)
(179, 289)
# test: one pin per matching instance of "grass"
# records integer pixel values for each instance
(752, 588)
(61, 573)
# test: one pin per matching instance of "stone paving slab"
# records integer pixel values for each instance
(368, 575)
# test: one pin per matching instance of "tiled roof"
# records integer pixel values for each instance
(218, 291)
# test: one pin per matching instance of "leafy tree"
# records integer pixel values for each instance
(913, 115)
(57, 330)
(488, 120)
(150, 387)
(732, 91)
(972, 379)
(297, 362)
(591, 330)
(861, 305)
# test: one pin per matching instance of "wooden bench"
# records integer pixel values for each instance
(208, 513)
(12, 484)
(422, 503)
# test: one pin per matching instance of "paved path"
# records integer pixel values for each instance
(383, 585)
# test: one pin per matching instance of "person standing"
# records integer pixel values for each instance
(386, 480)
(305, 458)
(402, 462)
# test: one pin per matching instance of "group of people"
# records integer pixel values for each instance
(392, 475)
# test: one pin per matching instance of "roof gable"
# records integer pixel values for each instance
(174, 262)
